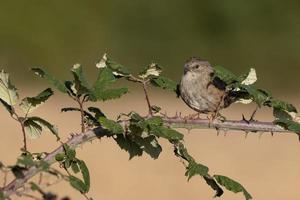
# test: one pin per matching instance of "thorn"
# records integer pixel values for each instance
(189, 130)
(225, 133)
(253, 114)
(218, 131)
(272, 133)
(244, 119)
(246, 134)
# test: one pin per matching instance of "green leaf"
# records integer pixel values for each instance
(32, 129)
(289, 125)
(81, 83)
(98, 113)
(282, 105)
(35, 187)
(154, 121)
(164, 82)
(18, 171)
(281, 114)
(100, 89)
(26, 160)
(87, 115)
(45, 124)
(127, 144)
(225, 75)
(116, 67)
(196, 169)
(75, 167)
(149, 144)
(60, 157)
(2, 196)
(112, 126)
(70, 152)
(56, 83)
(77, 184)
(151, 71)
(213, 184)
(71, 90)
(182, 152)
(166, 133)
(257, 95)
(7, 106)
(67, 163)
(8, 92)
(109, 94)
(232, 185)
(85, 174)
(31, 103)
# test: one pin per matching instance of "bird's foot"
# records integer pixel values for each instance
(194, 116)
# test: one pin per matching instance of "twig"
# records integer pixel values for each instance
(80, 103)
(99, 132)
(147, 98)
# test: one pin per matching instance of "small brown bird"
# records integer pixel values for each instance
(200, 91)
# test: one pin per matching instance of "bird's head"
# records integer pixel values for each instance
(195, 64)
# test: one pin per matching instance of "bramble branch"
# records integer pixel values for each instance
(175, 122)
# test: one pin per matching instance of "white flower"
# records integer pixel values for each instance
(102, 63)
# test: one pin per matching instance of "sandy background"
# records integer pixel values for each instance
(268, 167)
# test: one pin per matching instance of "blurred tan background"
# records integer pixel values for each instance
(56, 34)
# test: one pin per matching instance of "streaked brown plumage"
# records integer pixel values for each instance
(199, 91)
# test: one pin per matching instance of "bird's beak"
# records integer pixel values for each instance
(185, 70)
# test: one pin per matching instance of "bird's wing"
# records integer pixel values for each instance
(217, 82)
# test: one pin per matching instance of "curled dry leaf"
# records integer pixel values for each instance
(102, 63)
(152, 70)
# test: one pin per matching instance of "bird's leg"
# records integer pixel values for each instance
(211, 118)
(194, 116)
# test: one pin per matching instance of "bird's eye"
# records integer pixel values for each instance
(196, 66)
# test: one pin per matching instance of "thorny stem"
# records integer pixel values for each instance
(24, 135)
(21, 121)
(78, 140)
(80, 103)
(147, 98)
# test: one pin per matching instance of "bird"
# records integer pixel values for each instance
(200, 90)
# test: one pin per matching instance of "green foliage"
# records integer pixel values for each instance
(101, 91)
(78, 87)
(135, 134)
(2, 196)
(117, 68)
(110, 125)
(81, 84)
(164, 83)
(29, 104)
(68, 159)
(232, 185)
(92, 119)
(196, 169)
(25, 161)
(8, 107)
(44, 74)
(35, 125)
(8, 92)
